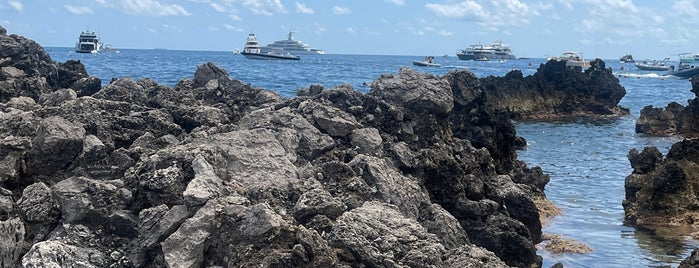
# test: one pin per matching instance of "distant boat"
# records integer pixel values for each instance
(572, 59)
(291, 46)
(626, 59)
(685, 70)
(689, 58)
(109, 48)
(88, 42)
(236, 51)
(427, 62)
(648, 65)
(252, 51)
(495, 51)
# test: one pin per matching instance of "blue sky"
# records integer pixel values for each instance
(599, 28)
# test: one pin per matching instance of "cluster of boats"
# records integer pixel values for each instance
(288, 49)
(687, 67)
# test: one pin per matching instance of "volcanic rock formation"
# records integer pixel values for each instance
(556, 91)
(418, 172)
(675, 119)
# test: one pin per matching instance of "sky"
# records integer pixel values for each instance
(606, 29)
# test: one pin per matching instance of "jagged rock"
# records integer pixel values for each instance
(222, 174)
(692, 261)
(663, 190)
(673, 119)
(556, 91)
(56, 145)
(366, 140)
(58, 254)
(38, 204)
(369, 234)
(12, 245)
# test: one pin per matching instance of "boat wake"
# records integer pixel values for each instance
(644, 75)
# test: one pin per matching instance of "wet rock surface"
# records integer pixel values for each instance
(419, 172)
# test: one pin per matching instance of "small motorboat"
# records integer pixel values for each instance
(428, 62)
(648, 65)
(685, 71)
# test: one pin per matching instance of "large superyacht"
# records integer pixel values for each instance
(292, 46)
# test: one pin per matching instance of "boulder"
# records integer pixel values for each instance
(673, 119)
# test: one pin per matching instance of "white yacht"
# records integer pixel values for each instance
(292, 46)
(252, 51)
(495, 51)
(88, 42)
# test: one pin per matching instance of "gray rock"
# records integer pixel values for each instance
(366, 140)
(317, 201)
(56, 98)
(58, 254)
(56, 145)
(38, 205)
(81, 198)
(418, 92)
(12, 245)
(371, 233)
(155, 224)
(206, 184)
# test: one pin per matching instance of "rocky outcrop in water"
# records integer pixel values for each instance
(419, 172)
(663, 189)
(556, 91)
(674, 119)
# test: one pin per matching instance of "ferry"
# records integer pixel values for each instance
(252, 51)
(292, 46)
(88, 42)
(495, 51)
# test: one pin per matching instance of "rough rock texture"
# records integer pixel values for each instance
(419, 172)
(664, 190)
(557, 91)
(674, 119)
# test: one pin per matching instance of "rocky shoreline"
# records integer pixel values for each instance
(421, 171)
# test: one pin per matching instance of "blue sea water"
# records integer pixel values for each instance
(586, 159)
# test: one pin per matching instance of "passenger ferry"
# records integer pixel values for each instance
(495, 51)
(88, 42)
(292, 46)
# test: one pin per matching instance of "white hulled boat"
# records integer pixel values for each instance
(88, 42)
(292, 46)
(495, 51)
(252, 51)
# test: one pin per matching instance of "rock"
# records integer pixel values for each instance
(38, 205)
(556, 244)
(317, 202)
(661, 190)
(56, 145)
(58, 254)
(673, 119)
(12, 244)
(692, 261)
(366, 140)
(556, 91)
(206, 184)
(370, 233)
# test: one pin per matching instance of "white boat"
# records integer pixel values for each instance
(648, 65)
(109, 48)
(685, 70)
(689, 58)
(292, 46)
(495, 51)
(572, 59)
(88, 42)
(428, 62)
(252, 51)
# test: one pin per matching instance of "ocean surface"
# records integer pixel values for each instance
(586, 159)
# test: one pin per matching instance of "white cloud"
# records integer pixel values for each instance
(264, 7)
(338, 10)
(234, 17)
(445, 33)
(465, 9)
(79, 10)
(351, 31)
(301, 8)
(218, 7)
(213, 29)
(16, 5)
(232, 28)
(152, 8)
(397, 2)
(684, 8)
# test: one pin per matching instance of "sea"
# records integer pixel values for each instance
(585, 158)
